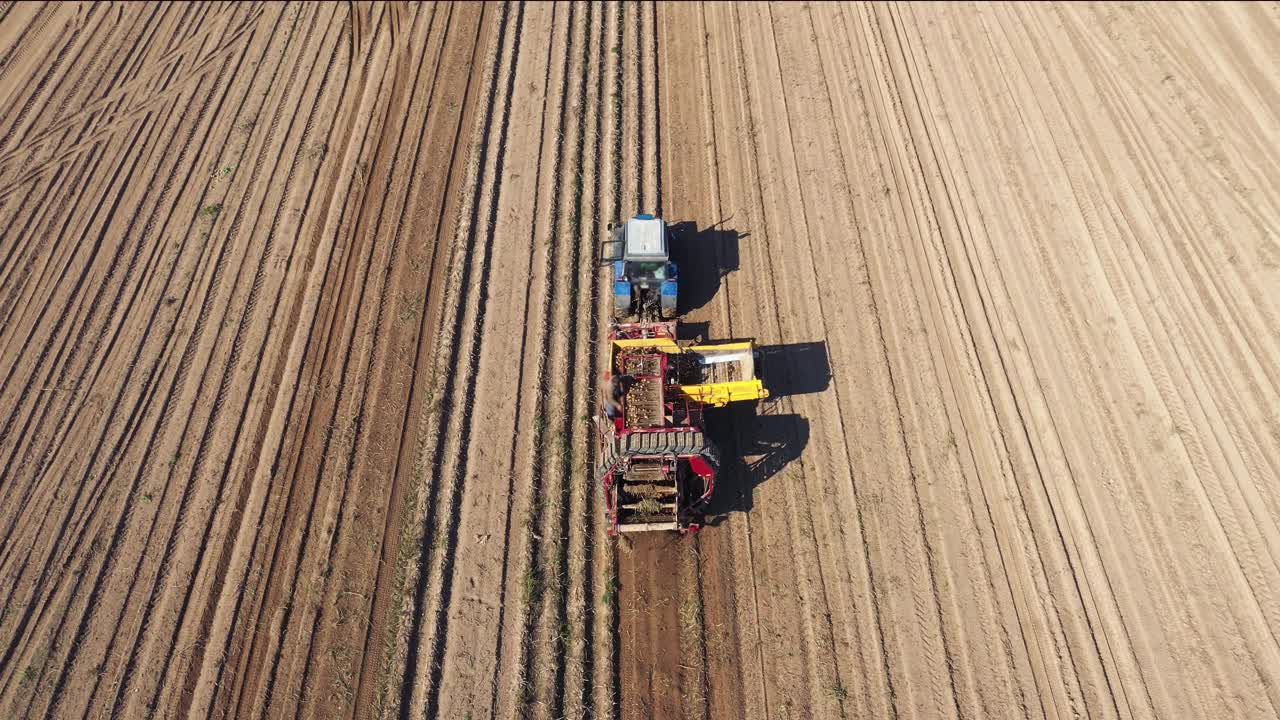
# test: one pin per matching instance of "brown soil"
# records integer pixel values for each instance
(300, 335)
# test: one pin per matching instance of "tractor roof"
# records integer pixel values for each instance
(646, 239)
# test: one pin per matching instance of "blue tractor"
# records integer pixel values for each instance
(644, 278)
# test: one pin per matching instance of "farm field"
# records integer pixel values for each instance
(300, 335)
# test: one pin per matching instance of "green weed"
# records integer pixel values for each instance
(532, 586)
(610, 595)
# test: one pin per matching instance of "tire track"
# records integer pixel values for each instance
(328, 439)
(196, 669)
(111, 554)
(445, 225)
(44, 573)
(167, 408)
(350, 445)
(216, 276)
(510, 696)
(46, 455)
(177, 81)
(418, 687)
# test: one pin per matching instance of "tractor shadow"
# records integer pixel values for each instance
(756, 442)
(703, 257)
(695, 331)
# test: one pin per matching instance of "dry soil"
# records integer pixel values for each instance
(300, 334)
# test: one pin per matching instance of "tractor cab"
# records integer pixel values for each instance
(645, 282)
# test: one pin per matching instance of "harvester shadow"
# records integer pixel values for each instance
(794, 368)
(756, 441)
(704, 257)
(754, 448)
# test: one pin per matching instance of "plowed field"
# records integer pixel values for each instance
(300, 335)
